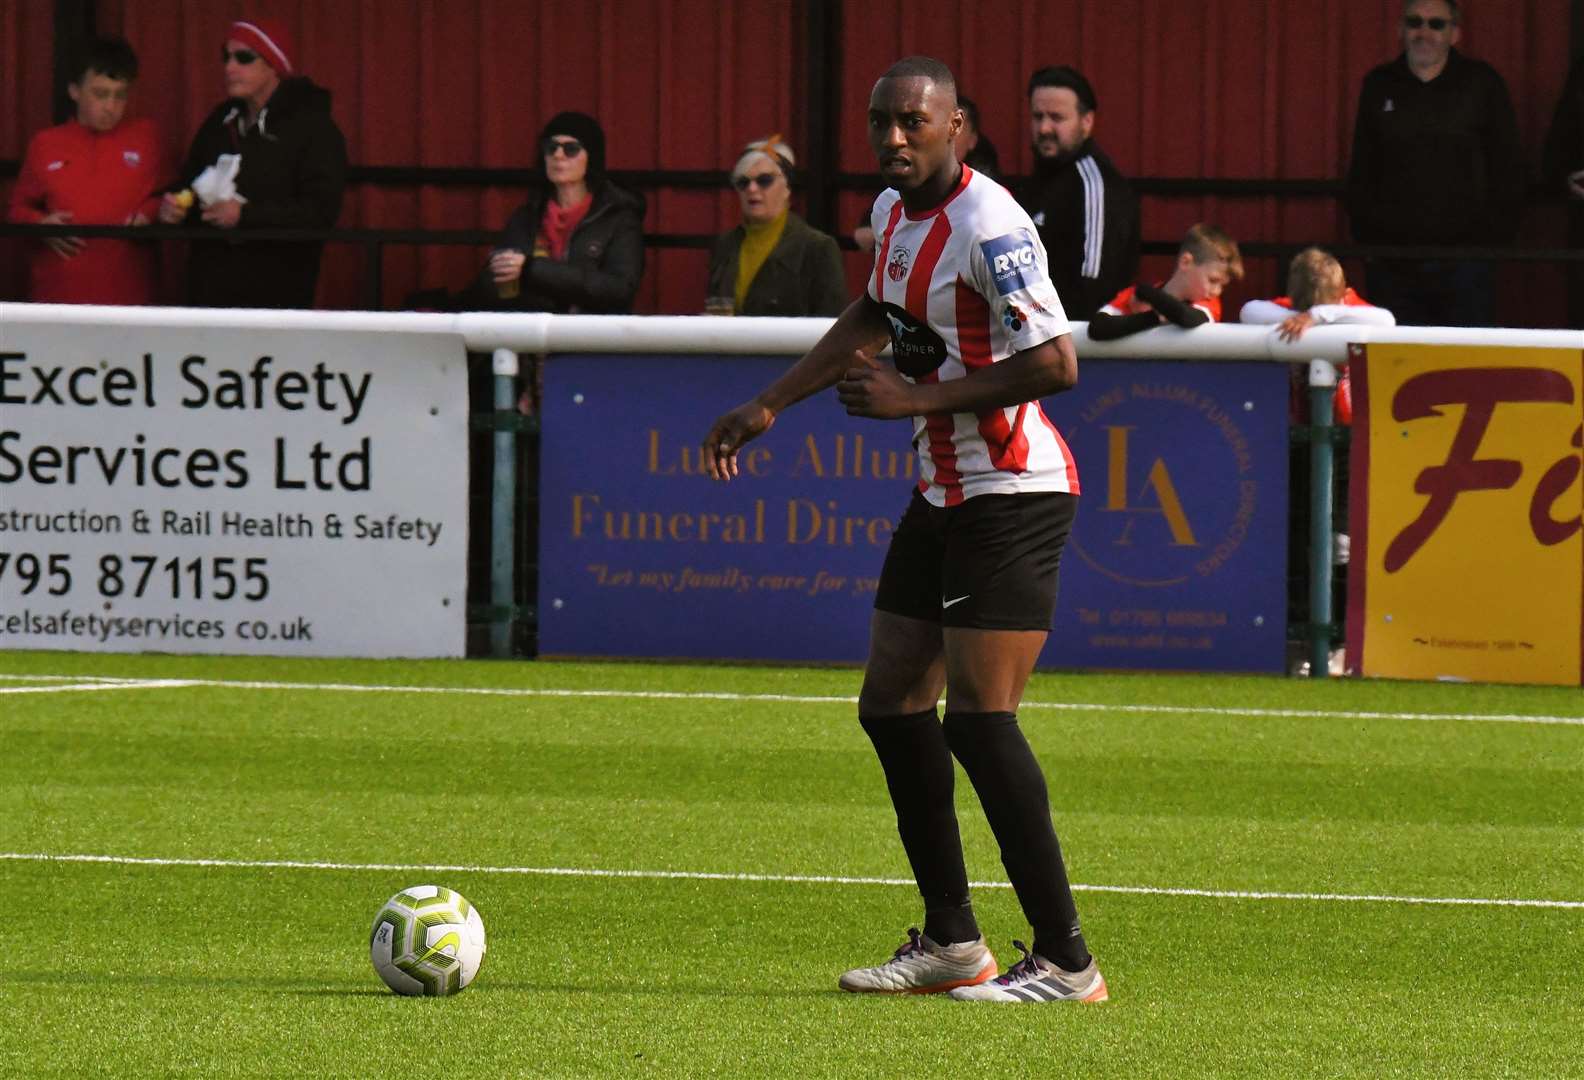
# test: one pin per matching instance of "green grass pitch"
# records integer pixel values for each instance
(1339, 803)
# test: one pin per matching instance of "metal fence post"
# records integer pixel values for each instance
(503, 506)
(1322, 392)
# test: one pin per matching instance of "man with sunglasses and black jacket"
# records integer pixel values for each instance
(292, 175)
(1436, 162)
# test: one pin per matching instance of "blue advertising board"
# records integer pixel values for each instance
(1178, 558)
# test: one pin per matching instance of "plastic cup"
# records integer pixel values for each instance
(509, 290)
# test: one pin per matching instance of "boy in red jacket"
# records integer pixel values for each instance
(97, 169)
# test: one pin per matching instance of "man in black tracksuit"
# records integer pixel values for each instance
(292, 176)
(1436, 162)
(1086, 212)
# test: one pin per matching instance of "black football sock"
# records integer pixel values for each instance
(918, 772)
(1011, 788)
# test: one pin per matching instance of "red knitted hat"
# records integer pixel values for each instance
(267, 37)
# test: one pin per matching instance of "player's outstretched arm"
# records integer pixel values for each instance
(881, 393)
(856, 337)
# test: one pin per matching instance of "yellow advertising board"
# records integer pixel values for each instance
(1467, 513)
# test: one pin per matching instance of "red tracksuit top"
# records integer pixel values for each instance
(103, 179)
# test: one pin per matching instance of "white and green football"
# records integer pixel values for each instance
(427, 940)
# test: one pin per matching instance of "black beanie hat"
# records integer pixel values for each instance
(586, 130)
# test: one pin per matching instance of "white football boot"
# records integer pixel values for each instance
(922, 967)
(1035, 979)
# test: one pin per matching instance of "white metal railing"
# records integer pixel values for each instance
(537, 333)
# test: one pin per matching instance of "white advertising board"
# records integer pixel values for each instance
(211, 490)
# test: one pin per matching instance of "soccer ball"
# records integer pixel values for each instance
(427, 940)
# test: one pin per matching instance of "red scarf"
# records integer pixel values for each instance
(559, 223)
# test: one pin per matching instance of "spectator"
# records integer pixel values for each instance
(1086, 213)
(97, 169)
(1436, 162)
(292, 172)
(1563, 166)
(1206, 261)
(972, 147)
(774, 263)
(576, 245)
(1318, 294)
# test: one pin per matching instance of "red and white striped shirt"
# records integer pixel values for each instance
(965, 285)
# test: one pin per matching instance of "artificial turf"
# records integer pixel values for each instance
(1321, 792)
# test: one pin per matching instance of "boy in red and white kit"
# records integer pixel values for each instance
(96, 169)
(1318, 295)
(1207, 260)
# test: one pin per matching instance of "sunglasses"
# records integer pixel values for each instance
(762, 181)
(570, 148)
(1419, 22)
(241, 56)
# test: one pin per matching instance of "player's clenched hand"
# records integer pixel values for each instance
(727, 435)
(876, 391)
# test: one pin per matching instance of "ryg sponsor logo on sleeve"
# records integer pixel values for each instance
(1013, 261)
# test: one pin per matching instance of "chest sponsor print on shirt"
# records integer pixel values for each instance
(916, 349)
(55, 166)
(897, 268)
(1013, 262)
(131, 158)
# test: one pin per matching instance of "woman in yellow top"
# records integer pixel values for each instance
(774, 263)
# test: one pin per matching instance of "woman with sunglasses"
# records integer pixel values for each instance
(576, 245)
(774, 263)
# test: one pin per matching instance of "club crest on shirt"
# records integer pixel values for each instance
(897, 268)
(55, 166)
(132, 158)
(1014, 261)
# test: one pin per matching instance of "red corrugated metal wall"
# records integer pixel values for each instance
(26, 34)
(1222, 88)
(678, 84)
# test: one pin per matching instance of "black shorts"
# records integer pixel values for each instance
(990, 562)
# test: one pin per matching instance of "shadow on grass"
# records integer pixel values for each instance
(628, 989)
(287, 985)
(262, 983)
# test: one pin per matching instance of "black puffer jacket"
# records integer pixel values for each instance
(293, 174)
(603, 265)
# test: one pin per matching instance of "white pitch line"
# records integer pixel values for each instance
(813, 699)
(63, 678)
(95, 687)
(789, 879)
